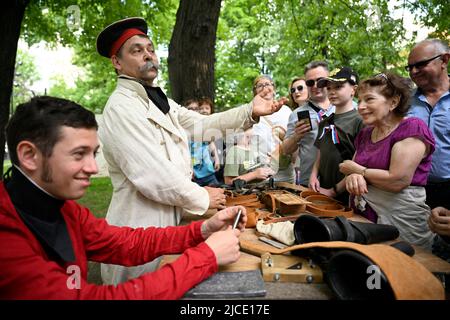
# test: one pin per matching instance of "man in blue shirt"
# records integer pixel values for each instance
(427, 67)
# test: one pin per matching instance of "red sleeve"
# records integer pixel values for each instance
(130, 247)
(26, 272)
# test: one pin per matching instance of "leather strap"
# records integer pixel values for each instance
(409, 279)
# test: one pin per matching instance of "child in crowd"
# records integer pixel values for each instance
(336, 135)
(241, 162)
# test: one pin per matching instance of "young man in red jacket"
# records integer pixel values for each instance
(46, 238)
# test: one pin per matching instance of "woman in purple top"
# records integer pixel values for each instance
(387, 175)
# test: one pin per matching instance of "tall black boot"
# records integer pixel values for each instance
(353, 276)
(309, 228)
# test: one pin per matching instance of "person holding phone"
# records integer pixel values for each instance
(300, 135)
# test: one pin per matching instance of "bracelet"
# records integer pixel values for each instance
(363, 173)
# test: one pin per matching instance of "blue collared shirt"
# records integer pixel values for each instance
(438, 120)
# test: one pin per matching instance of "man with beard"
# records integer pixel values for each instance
(46, 238)
(145, 143)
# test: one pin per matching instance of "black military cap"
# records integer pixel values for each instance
(345, 74)
(114, 36)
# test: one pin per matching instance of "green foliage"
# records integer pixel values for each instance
(76, 23)
(25, 75)
(98, 196)
(91, 90)
(280, 37)
(434, 14)
(277, 37)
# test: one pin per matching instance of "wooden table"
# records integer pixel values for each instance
(304, 291)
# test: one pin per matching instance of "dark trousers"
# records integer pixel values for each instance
(438, 194)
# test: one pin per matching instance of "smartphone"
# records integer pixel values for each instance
(304, 117)
(237, 218)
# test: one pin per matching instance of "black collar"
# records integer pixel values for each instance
(155, 94)
(42, 214)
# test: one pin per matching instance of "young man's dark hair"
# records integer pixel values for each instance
(48, 238)
(39, 121)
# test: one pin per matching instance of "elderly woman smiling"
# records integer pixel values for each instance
(393, 157)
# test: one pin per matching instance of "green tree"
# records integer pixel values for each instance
(11, 17)
(280, 37)
(25, 76)
(77, 23)
(434, 14)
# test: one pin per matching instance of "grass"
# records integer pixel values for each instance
(6, 165)
(98, 196)
(97, 199)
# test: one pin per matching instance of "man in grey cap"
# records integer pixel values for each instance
(146, 144)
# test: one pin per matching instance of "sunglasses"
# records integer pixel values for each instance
(311, 82)
(385, 79)
(421, 64)
(297, 88)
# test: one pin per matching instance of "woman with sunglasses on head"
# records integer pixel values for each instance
(387, 175)
(269, 133)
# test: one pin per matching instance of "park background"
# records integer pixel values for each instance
(209, 48)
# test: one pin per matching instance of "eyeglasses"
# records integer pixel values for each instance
(311, 82)
(421, 64)
(263, 85)
(297, 88)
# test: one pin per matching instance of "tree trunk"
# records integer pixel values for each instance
(11, 17)
(192, 50)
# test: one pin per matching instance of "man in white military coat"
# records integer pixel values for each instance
(146, 145)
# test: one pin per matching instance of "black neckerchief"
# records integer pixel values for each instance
(42, 215)
(156, 95)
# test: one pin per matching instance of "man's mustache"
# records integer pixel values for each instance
(148, 65)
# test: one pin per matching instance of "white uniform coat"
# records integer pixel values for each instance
(149, 161)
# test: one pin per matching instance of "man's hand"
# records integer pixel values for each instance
(439, 221)
(225, 245)
(217, 198)
(356, 184)
(301, 128)
(262, 107)
(314, 183)
(263, 173)
(223, 219)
